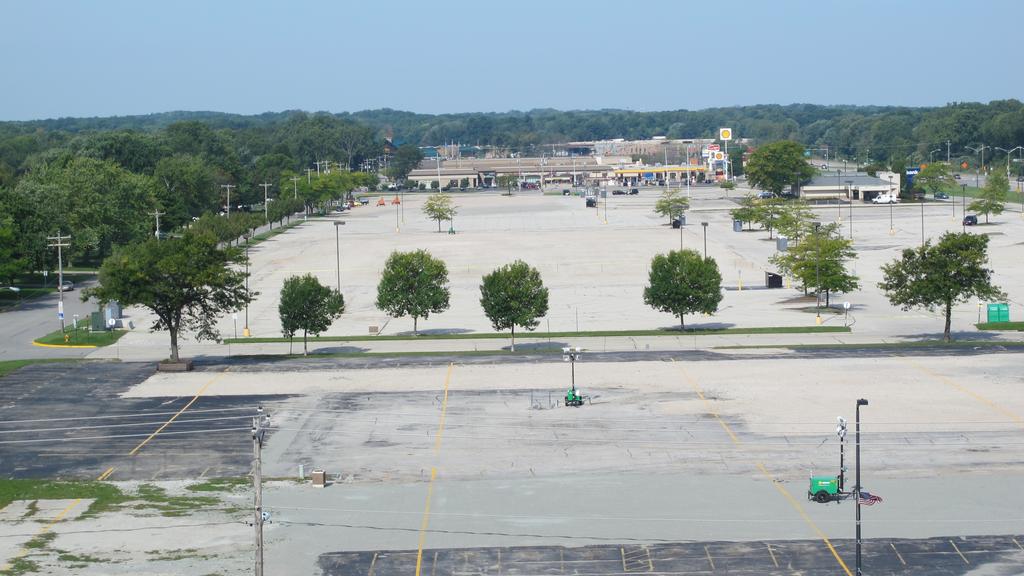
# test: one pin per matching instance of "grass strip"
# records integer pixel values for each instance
(547, 335)
(105, 496)
(81, 337)
(8, 366)
(271, 233)
(1001, 326)
(883, 345)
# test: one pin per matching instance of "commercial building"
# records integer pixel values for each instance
(849, 186)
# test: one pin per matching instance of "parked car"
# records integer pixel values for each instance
(618, 192)
(634, 191)
(941, 196)
(67, 286)
(956, 176)
(591, 201)
(885, 199)
(764, 195)
(970, 220)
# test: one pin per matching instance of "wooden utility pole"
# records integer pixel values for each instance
(228, 187)
(59, 242)
(158, 214)
(266, 213)
(295, 187)
(258, 433)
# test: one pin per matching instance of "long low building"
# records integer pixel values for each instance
(849, 186)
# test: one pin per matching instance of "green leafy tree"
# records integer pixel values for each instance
(514, 295)
(186, 187)
(934, 178)
(682, 282)
(671, 204)
(508, 181)
(747, 211)
(992, 198)
(413, 284)
(768, 213)
(794, 219)
(186, 282)
(406, 159)
(308, 305)
(819, 262)
(12, 261)
(938, 276)
(439, 207)
(727, 185)
(777, 165)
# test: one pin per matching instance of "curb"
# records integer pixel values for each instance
(34, 343)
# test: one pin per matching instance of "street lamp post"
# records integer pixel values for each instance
(245, 329)
(337, 248)
(963, 198)
(922, 221)
(705, 226)
(817, 273)
(931, 155)
(839, 205)
(860, 402)
(849, 194)
(892, 230)
(977, 173)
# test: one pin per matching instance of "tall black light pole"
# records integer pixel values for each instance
(860, 402)
(963, 198)
(849, 189)
(245, 330)
(922, 221)
(817, 273)
(337, 248)
(839, 204)
(705, 225)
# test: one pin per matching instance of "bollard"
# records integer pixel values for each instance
(302, 472)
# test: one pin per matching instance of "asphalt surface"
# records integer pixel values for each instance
(947, 556)
(38, 317)
(67, 420)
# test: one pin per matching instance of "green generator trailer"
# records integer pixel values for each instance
(824, 489)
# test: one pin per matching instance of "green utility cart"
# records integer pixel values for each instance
(824, 489)
(999, 312)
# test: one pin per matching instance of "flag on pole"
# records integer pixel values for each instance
(867, 498)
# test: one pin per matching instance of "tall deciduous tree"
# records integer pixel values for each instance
(935, 177)
(186, 282)
(953, 270)
(747, 211)
(308, 305)
(671, 204)
(794, 220)
(768, 212)
(992, 198)
(819, 262)
(514, 295)
(777, 165)
(186, 187)
(413, 284)
(439, 206)
(12, 260)
(406, 159)
(682, 282)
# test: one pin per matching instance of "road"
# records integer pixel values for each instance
(38, 317)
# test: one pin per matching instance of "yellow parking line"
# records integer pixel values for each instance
(106, 474)
(178, 413)
(768, 475)
(898, 555)
(710, 561)
(772, 554)
(426, 521)
(993, 405)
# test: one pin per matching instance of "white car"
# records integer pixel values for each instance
(885, 199)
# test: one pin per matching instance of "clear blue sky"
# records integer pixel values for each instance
(104, 58)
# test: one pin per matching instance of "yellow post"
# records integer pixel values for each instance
(817, 320)
(740, 285)
(245, 332)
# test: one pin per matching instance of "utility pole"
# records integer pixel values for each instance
(309, 172)
(60, 242)
(860, 402)
(295, 187)
(228, 187)
(158, 214)
(947, 152)
(258, 434)
(266, 213)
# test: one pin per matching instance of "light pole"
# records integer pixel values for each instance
(860, 402)
(337, 248)
(931, 155)
(245, 329)
(922, 221)
(705, 226)
(892, 231)
(817, 273)
(963, 198)
(266, 213)
(841, 432)
(839, 204)
(1008, 154)
(295, 187)
(977, 174)
(228, 187)
(849, 194)
(571, 355)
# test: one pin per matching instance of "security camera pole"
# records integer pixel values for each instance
(258, 434)
(571, 355)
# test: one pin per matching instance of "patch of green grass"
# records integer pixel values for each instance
(105, 496)
(271, 233)
(1001, 326)
(41, 541)
(182, 554)
(20, 566)
(31, 510)
(547, 335)
(81, 558)
(884, 345)
(155, 497)
(81, 337)
(8, 366)
(219, 485)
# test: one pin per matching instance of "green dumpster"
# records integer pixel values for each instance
(998, 312)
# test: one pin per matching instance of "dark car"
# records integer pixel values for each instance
(591, 202)
(956, 176)
(941, 196)
(634, 191)
(970, 220)
(618, 192)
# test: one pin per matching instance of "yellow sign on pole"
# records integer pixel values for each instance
(725, 134)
